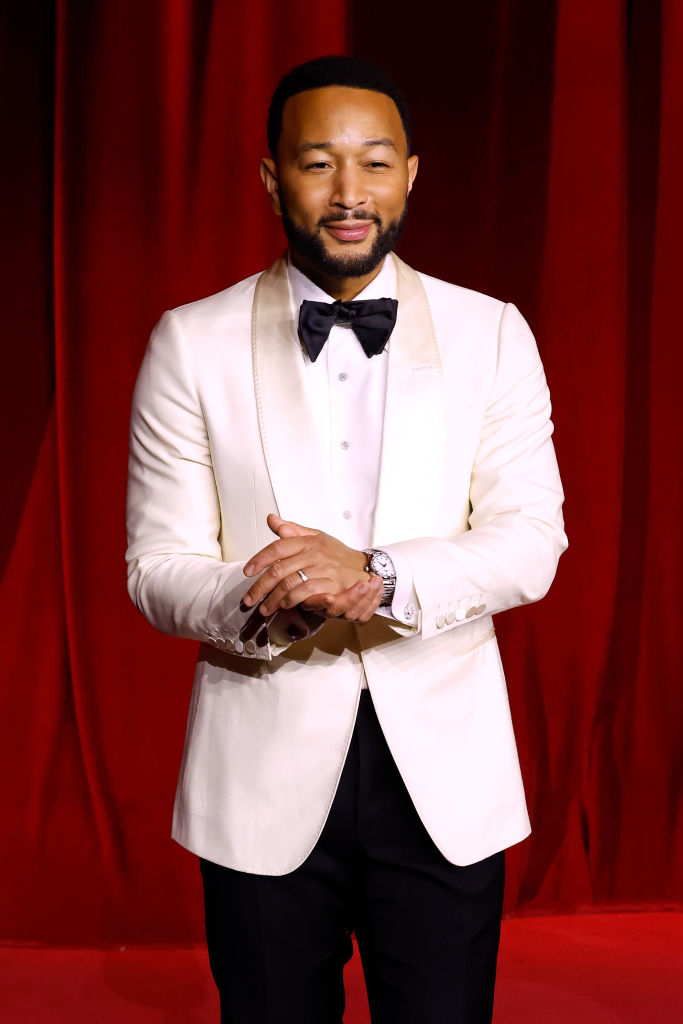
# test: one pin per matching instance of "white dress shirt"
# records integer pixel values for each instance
(346, 391)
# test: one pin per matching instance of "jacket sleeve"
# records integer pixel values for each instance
(509, 555)
(176, 576)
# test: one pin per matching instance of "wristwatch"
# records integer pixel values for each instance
(380, 564)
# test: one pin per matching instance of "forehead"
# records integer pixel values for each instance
(340, 115)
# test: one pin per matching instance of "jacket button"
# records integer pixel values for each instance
(239, 646)
(460, 614)
(470, 612)
(479, 609)
(250, 647)
(440, 622)
(450, 618)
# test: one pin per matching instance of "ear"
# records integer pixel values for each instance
(269, 179)
(412, 170)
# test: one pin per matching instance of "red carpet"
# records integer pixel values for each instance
(591, 969)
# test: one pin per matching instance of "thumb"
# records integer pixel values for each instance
(284, 528)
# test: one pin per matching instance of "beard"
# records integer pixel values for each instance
(311, 246)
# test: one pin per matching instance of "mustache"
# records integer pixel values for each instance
(354, 215)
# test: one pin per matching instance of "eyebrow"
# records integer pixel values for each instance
(306, 147)
(381, 142)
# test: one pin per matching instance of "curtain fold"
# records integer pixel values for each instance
(548, 176)
(551, 161)
(159, 125)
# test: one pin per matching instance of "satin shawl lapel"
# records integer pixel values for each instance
(413, 441)
(298, 466)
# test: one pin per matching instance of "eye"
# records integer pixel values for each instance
(318, 165)
(378, 163)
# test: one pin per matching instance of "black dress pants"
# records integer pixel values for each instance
(427, 930)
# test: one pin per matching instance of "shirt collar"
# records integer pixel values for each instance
(384, 286)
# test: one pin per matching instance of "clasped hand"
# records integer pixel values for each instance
(337, 583)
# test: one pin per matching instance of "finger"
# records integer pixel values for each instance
(286, 528)
(317, 602)
(273, 552)
(345, 600)
(369, 590)
(369, 608)
(336, 605)
(293, 591)
(363, 607)
(364, 603)
(271, 577)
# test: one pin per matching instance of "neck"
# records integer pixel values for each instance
(343, 288)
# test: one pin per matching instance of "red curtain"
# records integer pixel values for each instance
(549, 135)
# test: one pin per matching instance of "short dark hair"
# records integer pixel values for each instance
(352, 72)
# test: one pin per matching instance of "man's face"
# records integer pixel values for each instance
(341, 179)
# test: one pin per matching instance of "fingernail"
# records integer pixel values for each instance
(248, 569)
(247, 600)
(264, 609)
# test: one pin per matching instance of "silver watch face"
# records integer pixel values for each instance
(381, 564)
(379, 561)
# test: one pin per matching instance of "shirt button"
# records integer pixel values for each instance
(346, 514)
(342, 376)
(345, 445)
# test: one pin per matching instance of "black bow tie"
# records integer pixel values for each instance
(371, 320)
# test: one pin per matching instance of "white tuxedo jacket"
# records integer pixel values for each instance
(469, 493)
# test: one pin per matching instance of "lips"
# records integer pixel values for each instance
(348, 231)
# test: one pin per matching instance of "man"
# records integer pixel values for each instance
(335, 509)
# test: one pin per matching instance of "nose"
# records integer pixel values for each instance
(348, 190)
